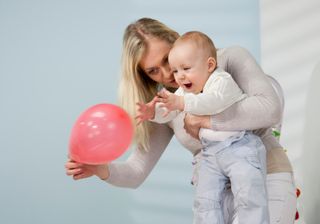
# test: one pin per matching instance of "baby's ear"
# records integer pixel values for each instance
(212, 64)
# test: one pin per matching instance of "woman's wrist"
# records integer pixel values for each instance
(103, 172)
(205, 122)
(193, 124)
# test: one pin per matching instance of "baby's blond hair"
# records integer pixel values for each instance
(202, 41)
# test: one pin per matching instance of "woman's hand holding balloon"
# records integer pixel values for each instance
(81, 171)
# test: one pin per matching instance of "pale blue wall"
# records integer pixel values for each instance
(58, 58)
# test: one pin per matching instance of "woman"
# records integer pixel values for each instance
(146, 45)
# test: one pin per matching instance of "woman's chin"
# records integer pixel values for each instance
(172, 85)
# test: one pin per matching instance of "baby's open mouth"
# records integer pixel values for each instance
(188, 85)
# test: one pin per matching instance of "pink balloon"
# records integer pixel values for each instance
(101, 134)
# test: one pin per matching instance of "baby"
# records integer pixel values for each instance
(239, 156)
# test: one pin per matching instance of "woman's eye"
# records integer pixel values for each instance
(153, 71)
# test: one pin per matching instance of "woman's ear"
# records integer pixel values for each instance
(212, 64)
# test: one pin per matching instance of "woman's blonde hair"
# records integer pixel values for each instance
(135, 85)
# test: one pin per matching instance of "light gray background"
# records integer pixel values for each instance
(57, 58)
(290, 51)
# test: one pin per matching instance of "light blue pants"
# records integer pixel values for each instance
(241, 160)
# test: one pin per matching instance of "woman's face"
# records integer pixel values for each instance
(155, 64)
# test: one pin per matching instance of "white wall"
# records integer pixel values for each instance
(290, 51)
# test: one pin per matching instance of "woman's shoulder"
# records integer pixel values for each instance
(231, 58)
(232, 51)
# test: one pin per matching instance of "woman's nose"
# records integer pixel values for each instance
(167, 74)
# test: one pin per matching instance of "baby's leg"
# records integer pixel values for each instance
(228, 205)
(242, 163)
(211, 182)
(281, 195)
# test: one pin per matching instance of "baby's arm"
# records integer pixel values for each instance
(155, 112)
(163, 115)
(221, 92)
(171, 101)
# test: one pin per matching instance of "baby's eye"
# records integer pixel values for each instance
(186, 68)
(174, 71)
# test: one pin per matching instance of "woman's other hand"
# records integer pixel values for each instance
(81, 171)
(193, 123)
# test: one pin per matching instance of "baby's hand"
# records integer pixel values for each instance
(170, 100)
(146, 111)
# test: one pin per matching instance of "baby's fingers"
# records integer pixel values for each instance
(162, 100)
(140, 105)
(155, 99)
(139, 119)
(163, 93)
(166, 113)
(163, 105)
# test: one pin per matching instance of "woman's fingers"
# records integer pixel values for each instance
(72, 165)
(72, 172)
(73, 168)
(80, 176)
(78, 170)
(191, 127)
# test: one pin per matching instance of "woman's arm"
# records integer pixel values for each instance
(260, 109)
(262, 106)
(138, 166)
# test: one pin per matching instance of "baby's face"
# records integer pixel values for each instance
(189, 65)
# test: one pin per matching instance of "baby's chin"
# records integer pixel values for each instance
(188, 90)
(191, 90)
